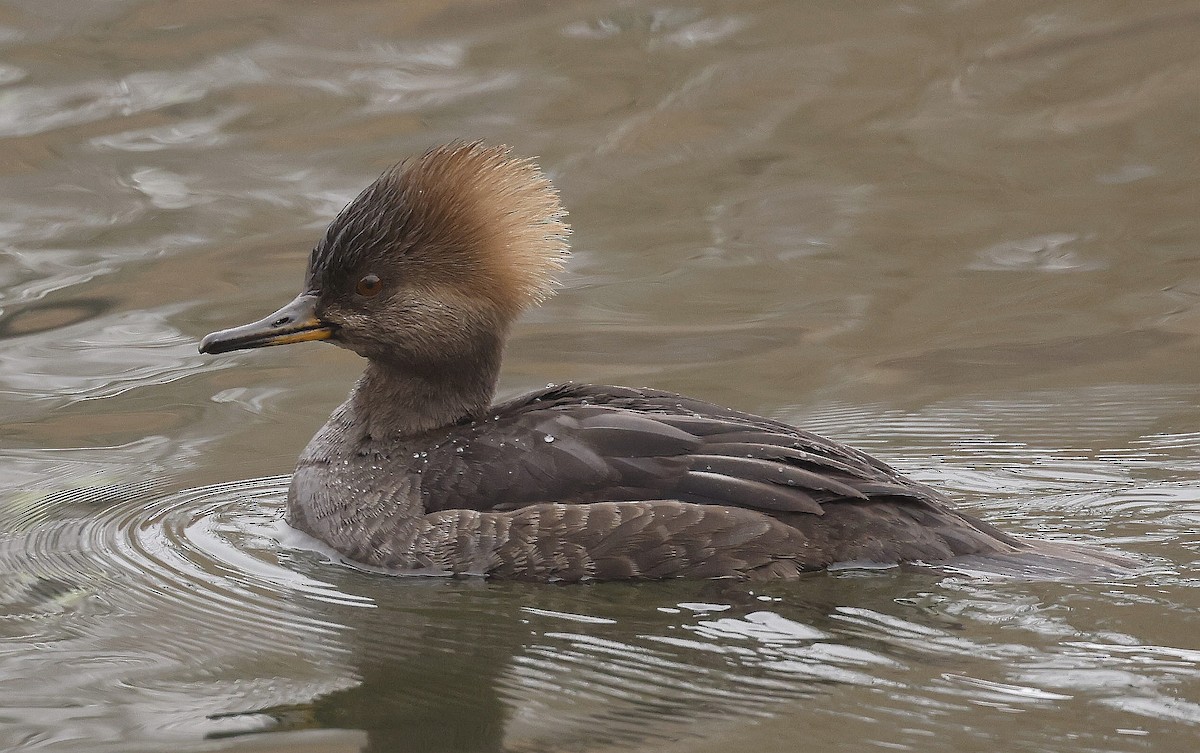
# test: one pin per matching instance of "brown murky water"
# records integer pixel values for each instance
(961, 235)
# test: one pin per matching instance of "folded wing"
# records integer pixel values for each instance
(580, 444)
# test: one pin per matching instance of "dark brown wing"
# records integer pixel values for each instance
(582, 443)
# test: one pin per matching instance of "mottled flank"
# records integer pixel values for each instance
(418, 471)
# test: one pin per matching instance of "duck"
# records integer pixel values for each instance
(419, 471)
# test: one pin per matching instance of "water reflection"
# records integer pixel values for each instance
(959, 235)
(464, 665)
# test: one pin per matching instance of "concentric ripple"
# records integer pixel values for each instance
(161, 603)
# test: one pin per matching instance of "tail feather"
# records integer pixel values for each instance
(1046, 560)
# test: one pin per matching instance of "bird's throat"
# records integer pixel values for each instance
(397, 401)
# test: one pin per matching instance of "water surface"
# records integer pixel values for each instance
(960, 235)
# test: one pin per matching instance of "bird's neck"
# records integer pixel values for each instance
(395, 400)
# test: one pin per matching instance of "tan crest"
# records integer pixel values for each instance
(501, 213)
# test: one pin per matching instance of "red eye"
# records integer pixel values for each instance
(369, 286)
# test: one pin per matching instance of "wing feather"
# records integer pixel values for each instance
(581, 444)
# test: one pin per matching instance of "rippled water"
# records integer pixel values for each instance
(960, 235)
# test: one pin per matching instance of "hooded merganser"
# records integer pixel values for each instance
(417, 470)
